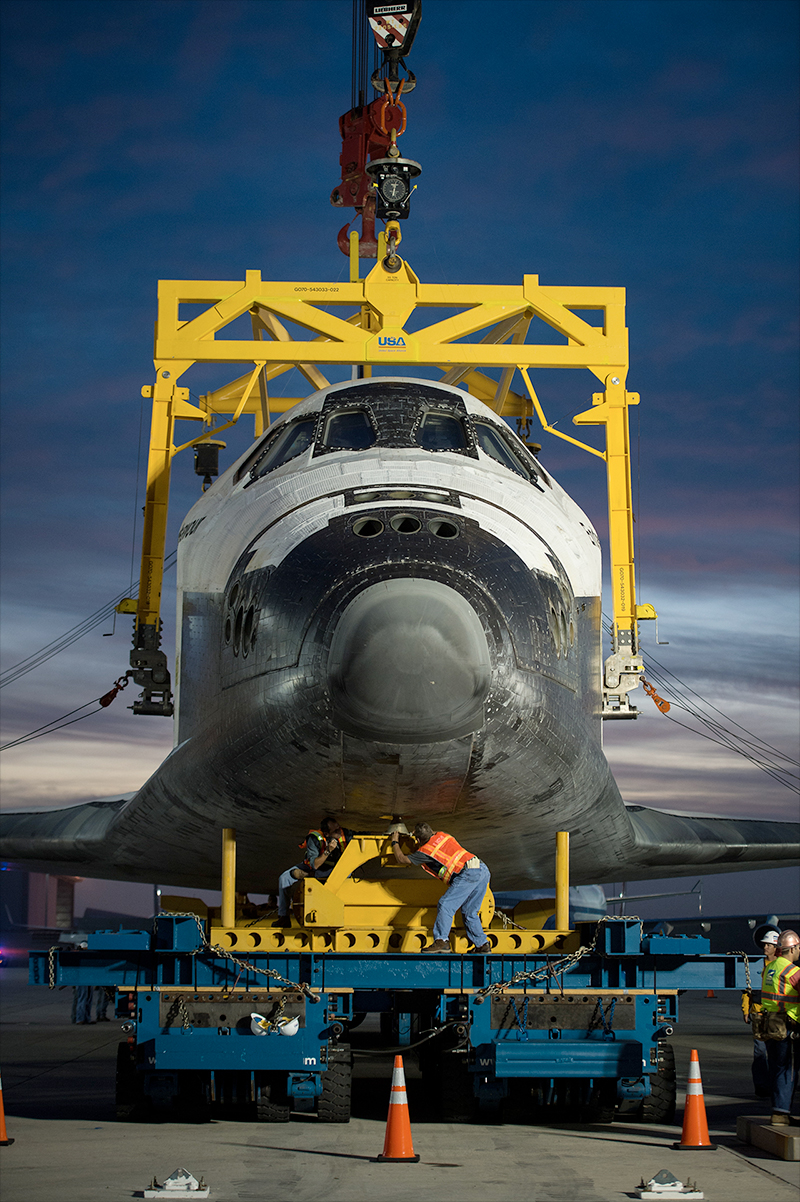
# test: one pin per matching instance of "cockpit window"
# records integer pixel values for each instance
(441, 432)
(491, 441)
(349, 431)
(288, 444)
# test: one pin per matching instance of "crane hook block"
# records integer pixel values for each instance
(394, 26)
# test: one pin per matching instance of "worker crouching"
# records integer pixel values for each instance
(323, 850)
(467, 879)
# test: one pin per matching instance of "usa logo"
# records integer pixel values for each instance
(388, 341)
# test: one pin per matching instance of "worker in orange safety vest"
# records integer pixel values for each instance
(467, 879)
(323, 850)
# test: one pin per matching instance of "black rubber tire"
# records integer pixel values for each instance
(272, 1105)
(456, 1096)
(659, 1107)
(128, 1094)
(602, 1104)
(333, 1105)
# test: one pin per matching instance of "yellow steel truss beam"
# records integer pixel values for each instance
(376, 330)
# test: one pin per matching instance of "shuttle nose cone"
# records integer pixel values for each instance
(409, 663)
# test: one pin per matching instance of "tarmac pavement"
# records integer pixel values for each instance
(58, 1090)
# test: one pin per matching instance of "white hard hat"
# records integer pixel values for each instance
(768, 932)
(788, 939)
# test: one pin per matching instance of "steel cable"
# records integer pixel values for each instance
(55, 646)
(754, 749)
(43, 730)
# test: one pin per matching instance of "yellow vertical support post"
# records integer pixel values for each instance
(156, 499)
(620, 513)
(149, 664)
(624, 666)
(562, 880)
(228, 915)
(354, 264)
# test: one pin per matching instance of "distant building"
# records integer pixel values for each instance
(34, 908)
(36, 899)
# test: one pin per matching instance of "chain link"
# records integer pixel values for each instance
(746, 959)
(178, 1007)
(243, 964)
(559, 967)
(51, 966)
(508, 923)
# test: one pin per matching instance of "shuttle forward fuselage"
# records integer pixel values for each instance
(405, 624)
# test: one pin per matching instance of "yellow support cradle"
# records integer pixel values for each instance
(349, 912)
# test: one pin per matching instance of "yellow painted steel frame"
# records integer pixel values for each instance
(349, 913)
(377, 333)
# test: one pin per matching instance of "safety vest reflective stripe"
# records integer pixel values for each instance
(444, 849)
(781, 988)
(322, 838)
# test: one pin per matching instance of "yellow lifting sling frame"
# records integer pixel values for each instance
(376, 334)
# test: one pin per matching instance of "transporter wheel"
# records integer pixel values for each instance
(659, 1107)
(456, 1094)
(272, 1104)
(334, 1101)
(601, 1104)
(128, 1094)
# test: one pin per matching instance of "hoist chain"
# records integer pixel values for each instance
(745, 957)
(243, 964)
(560, 967)
(273, 1023)
(508, 923)
(178, 1007)
(51, 966)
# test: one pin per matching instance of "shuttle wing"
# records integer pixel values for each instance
(73, 840)
(105, 839)
(670, 843)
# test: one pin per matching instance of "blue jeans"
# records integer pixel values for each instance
(780, 1056)
(465, 893)
(286, 883)
(760, 1069)
(83, 1007)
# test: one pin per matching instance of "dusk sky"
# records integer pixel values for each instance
(648, 144)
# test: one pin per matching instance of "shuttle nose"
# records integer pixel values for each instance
(409, 663)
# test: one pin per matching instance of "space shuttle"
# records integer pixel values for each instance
(387, 606)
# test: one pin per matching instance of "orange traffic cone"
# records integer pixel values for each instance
(398, 1146)
(710, 993)
(4, 1140)
(694, 1137)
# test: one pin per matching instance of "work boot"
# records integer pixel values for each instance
(779, 1119)
(438, 945)
(283, 920)
(483, 950)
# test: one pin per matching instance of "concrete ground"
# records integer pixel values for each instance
(58, 1090)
